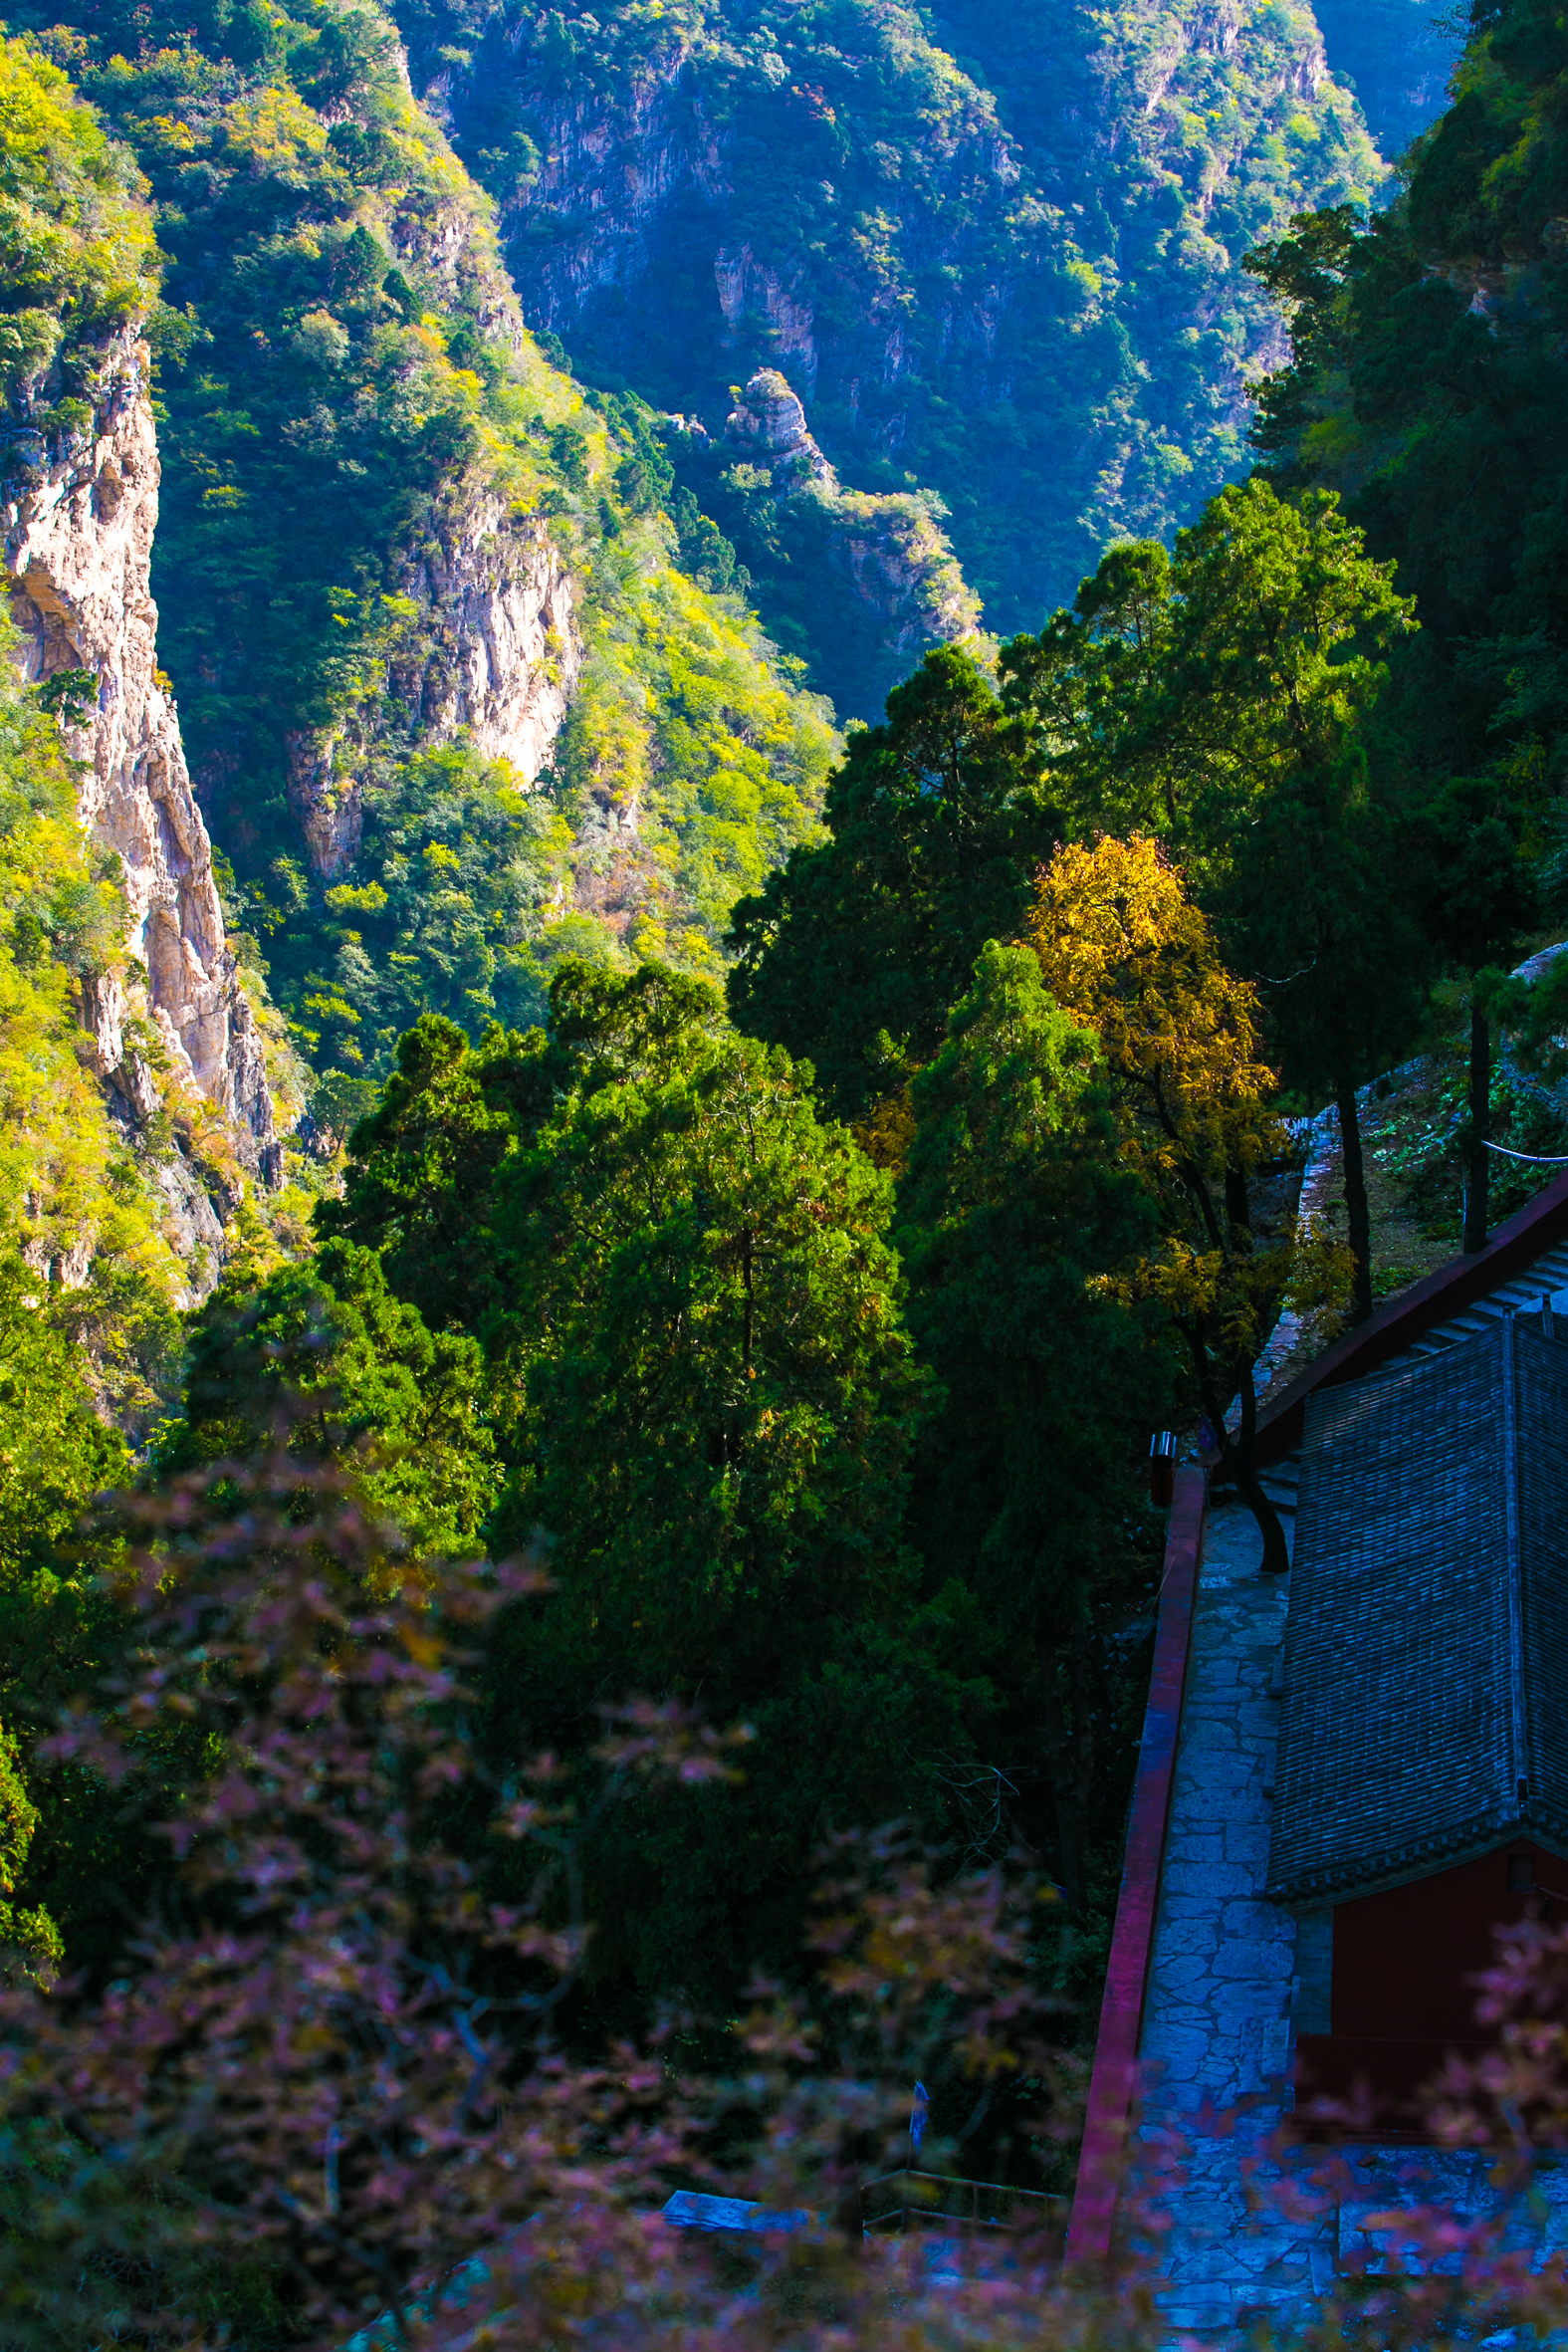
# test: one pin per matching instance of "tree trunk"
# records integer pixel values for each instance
(1358, 1216)
(1480, 1123)
(1237, 1208)
(1238, 1460)
(1276, 1552)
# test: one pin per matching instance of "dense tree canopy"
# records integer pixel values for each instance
(854, 952)
(1123, 948)
(700, 1420)
(1427, 381)
(1014, 1210)
(1221, 697)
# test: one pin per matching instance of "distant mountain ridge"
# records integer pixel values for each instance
(997, 252)
(1398, 56)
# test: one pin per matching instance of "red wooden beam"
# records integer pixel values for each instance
(1114, 2083)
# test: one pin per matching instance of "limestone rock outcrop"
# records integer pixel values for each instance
(889, 545)
(77, 541)
(770, 422)
(496, 651)
(504, 648)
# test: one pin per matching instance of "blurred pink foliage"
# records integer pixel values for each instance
(335, 2064)
(334, 2068)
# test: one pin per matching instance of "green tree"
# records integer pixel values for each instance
(325, 1360)
(28, 1938)
(65, 1870)
(705, 1396)
(691, 1253)
(1428, 379)
(1014, 1209)
(422, 1165)
(852, 956)
(1321, 909)
(1178, 692)
(55, 1451)
(717, 1396)
(443, 911)
(1477, 890)
(1222, 698)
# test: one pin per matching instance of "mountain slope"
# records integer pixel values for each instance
(1006, 268)
(1397, 55)
(395, 544)
(136, 1096)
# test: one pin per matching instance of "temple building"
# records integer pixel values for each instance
(1349, 1777)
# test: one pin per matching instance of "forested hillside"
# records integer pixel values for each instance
(403, 567)
(1397, 55)
(682, 1403)
(1005, 270)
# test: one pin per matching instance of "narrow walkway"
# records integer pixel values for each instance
(1226, 1982)
(1217, 2036)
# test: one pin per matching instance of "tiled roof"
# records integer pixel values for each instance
(1426, 1678)
(1544, 1276)
(1525, 1257)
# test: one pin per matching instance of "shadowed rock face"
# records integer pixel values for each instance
(77, 545)
(1398, 56)
(996, 248)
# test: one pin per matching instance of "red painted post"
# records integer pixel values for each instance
(1115, 2077)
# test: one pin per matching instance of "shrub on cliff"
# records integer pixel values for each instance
(76, 252)
(75, 1199)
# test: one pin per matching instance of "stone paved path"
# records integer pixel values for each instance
(1226, 1982)
(1217, 2019)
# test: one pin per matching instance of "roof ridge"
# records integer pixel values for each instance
(1464, 1280)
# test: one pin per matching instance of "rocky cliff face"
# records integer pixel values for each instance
(887, 545)
(1398, 56)
(503, 648)
(496, 651)
(78, 542)
(997, 249)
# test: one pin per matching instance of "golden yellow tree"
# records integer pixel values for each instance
(1124, 950)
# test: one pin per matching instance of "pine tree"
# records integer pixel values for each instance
(853, 954)
(1014, 1210)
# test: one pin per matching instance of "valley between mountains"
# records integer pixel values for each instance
(770, 772)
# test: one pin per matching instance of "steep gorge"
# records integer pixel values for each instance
(457, 698)
(463, 671)
(998, 257)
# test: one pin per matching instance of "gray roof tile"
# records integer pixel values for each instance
(1425, 1714)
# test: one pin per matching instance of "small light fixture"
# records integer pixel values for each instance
(1162, 1469)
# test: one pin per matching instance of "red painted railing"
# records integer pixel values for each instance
(1114, 2081)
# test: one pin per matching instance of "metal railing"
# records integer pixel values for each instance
(897, 2200)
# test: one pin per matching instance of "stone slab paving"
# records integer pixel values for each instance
(1226, 1984)
(1216, 2033)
